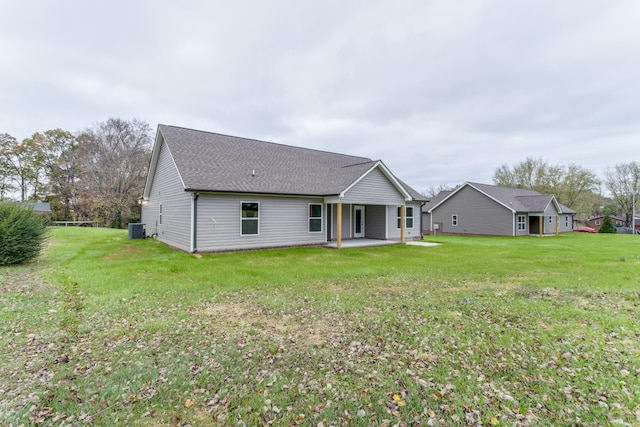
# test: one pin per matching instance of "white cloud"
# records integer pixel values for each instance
(441, 91)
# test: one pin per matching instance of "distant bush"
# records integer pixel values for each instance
(607, 226)
(22, 233)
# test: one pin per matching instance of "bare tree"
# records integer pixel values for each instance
(115, 156)
(623, 182)
(432, 191)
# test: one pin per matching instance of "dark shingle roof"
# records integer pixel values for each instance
(435, 200)
(518, 199)
(535, 203)
(214, 162)
(42, 207)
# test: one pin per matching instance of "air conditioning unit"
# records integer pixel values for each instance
(136, 231)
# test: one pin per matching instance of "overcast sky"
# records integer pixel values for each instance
(442, 91)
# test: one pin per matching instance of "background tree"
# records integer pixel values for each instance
(573, 185)
(622, 182)
(531, 174)
(432, 191)
(7, 171)
(115, 156)
(63, 166)
(22, 163)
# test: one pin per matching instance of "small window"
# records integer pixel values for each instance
(597, 222)
(550, 220)
(315, 218)
(250, 218)
(408, 217)
(522, 222)
(160, 215)
(566, 221)
(454, 220)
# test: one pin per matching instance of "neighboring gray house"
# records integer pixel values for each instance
(209, 192)
(481, 209)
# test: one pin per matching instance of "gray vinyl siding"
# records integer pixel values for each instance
(477, 214)
(415, 232)
(426, 222)
(550, 227)
(392, 223)
(375, 222)
(565, 226)
(284, 221)
(550, 215)
(167, 190)
(373, 189)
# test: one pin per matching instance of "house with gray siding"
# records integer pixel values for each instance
(208, 192)
(481, 209)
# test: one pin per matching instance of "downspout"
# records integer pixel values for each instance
(194, 222)
(402, 224)
(431, 223)
(421, 225)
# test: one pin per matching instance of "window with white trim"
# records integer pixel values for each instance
(522, 222)
(408, 217)
(160, 215)
(454, 220)
(566, 221)
(315, 218)
(250, 218)
(550, 220)
(597, 222)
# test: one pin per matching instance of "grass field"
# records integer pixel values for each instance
(477, 331)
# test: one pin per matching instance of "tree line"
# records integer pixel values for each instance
(573, 186)
(99, 173)
(95, 174)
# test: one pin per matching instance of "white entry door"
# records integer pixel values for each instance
(358, 221)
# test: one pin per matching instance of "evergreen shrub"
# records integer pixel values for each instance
(607, 226)
(22, 233)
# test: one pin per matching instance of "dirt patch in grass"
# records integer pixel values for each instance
(125, 252)
(280, 327)
(26, 279)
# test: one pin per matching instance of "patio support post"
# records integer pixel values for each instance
(541, 224)
(401, 224)
(339, 228)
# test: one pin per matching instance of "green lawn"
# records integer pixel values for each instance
(477, 331)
